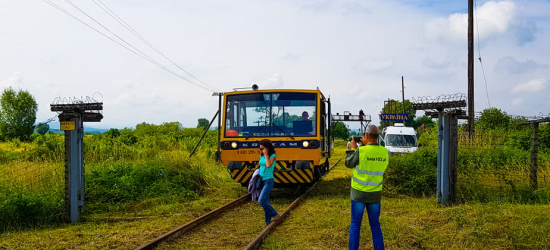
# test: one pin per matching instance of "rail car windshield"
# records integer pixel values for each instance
(270, 114)
(401, 140)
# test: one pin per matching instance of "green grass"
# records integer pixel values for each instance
(122, 174)
(322, 222)
(143, 206)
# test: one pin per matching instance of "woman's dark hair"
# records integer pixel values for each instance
(267, 143)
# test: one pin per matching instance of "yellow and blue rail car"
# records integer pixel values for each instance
(296, 121)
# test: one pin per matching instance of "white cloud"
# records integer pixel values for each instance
(354, 51)
(13, 81)
(291, 57)
(374, 64)
(430, 63)
(491, 20)
(509, 65)
(447, 30)
(532, 86)
(495, 18)
(517, 101)
(269, 82)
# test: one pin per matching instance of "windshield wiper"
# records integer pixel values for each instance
(274, 125)
(255, 131)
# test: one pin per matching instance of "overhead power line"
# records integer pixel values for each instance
(122, 42)
(127, 26)
(120, 38)
(479, 56)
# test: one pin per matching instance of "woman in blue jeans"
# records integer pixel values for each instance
(267, 164)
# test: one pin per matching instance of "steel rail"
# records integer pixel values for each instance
(192, 224)
(256, 242)
(210, 215)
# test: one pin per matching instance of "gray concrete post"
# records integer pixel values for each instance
(447, 159)
(74, 170)
(443, 159)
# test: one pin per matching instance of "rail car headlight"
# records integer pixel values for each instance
(310, 144)
(313, 144)
(229, 145)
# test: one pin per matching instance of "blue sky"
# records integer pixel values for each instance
(353, 51)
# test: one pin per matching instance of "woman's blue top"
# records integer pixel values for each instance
(265, 172)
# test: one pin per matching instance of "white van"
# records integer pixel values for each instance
(399, 139)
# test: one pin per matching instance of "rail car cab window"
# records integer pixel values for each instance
(271, 115)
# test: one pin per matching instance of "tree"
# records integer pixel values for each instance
(287, 118)
(203, 123)
(169, 127)
(423, 120)
(125, 135)
(145, 129)
(396, 107)
(339, 130)
(17, 114)
(493, 118)
(42, 128)
(112, 133)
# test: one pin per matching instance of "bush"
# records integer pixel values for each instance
(25, 209)
(117, 184)
(413, 174)
(47, 147)
(123, 168)
(6, 156)
(522, 194)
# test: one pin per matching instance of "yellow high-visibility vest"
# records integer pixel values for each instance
(368, 175)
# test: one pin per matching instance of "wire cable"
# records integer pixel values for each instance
(138, 53)
(108, 30)
(479, 55)
(145, 55)
(125, 25)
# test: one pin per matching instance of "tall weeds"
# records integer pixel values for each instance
(492, 167)
(122, 167)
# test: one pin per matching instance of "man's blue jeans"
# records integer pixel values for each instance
(269, 211)
(373, 211)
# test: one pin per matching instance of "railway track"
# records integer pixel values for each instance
(239, 209)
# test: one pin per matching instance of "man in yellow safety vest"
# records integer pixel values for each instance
(369, 163)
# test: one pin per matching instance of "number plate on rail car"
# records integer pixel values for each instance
(248, 151)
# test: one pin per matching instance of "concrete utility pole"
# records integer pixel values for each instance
(72, 117)
(448, 112)
(403, 92)
(533, 181)
(471, 68)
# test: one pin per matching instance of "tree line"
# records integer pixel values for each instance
(18, 116)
